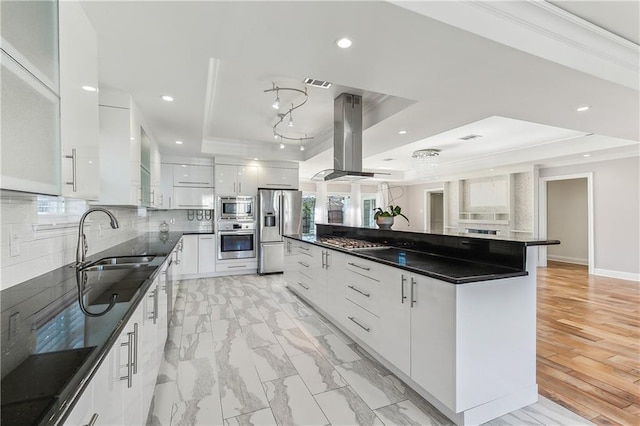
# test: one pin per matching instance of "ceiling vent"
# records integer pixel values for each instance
(317, 83)
(470, 137)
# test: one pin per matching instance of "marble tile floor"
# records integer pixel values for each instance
(244, 350)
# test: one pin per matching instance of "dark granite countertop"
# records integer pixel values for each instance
(449, 269)
(55, 348)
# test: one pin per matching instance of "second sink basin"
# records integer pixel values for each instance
(121, 262)
(124, 260)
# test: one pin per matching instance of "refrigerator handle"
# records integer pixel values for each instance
(280, 214)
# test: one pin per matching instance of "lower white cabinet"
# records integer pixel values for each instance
(206, 253)
(120, 391)
(188, 256)
(290, 260)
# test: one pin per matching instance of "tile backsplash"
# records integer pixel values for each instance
(37, 237)
(33, 243)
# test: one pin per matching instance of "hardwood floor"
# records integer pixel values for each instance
(589, 343)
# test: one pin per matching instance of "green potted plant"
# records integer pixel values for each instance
(385, 218)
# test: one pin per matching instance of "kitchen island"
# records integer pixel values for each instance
(454, 316)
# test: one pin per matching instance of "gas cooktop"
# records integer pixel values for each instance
(349, 243)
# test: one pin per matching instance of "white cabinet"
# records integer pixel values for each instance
(277, 177)
(30, 149)
(166, 186)
(83, 409)
(157, 194)
(188, 255)
(290, 262)
(193, 175)
(395, 317)
(206, 253)
(193, 198)
(78, 107)
(236, 180)
(120, 135)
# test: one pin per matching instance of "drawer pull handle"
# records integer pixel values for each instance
(402, 288)
(361, 267)
(303, 286)
(359, 291)
(93, 420)
(303, 248)
(413, 283)
(303, 264)
(236, 266)
(367, 329)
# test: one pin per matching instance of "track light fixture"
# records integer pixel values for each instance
(289, 113)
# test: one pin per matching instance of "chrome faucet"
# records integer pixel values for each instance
(81, 251)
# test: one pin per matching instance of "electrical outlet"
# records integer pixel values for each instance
(14, 245)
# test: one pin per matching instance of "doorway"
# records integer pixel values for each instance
(434, 210)
(566, 214)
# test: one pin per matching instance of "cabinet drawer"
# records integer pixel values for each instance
(362, 291)
(227, 266)
(303, 285)
(304, 249)
(304, 264)
(362, 323)
(363, 267)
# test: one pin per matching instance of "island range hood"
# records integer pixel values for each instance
(347, 140)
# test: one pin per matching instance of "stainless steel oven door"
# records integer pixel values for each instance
(236, 244)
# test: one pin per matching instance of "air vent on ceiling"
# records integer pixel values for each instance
(470, 137)
(317, 83)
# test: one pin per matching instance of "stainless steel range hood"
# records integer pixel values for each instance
(347, 140)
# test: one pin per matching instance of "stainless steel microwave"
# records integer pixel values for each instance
(241, 207)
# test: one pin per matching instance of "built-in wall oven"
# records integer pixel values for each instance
(239, 207)
(236, 240)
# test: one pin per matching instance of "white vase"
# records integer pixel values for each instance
(384, 222)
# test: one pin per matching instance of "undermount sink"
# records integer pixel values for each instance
(124, 262)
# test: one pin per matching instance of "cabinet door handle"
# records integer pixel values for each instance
(326, 265)
(93, 420)
(129, 344)
(237, 266)
(279, 184)
(323, 259)
(361, 267)
(413, 284)
(152, 315)
(135, 348)
(402, 288)
(303, 286)
(194, 182)
(359, 291)
(162, 200)
(234, 187)
(240, 187)
(303, 264)
(152, 195)
(367, 329)
(74, 170)
(170, 202)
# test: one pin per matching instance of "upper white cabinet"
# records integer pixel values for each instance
(30, 148)
(193, 175)
(30, 36)
(166, 186)
(236, 180)
(78, 107)
(157, 193)
(125, 179)
(277, 177)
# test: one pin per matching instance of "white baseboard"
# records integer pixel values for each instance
(616, 274)
(567, 259)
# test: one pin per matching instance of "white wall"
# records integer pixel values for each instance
(616, 196)
(568, 220)
(44, 245)
(413, 204)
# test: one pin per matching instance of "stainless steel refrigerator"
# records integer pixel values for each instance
(279, 213)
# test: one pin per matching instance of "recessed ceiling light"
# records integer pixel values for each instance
(491, 170)
(344, 42)
(587, 155)
(167, 98)
(583, 108)
(255, 159)
(184, 165)
(179, 142)
(402, 132)
(132, 138)
(89, 88)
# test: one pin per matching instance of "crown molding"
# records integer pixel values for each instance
(542, 29)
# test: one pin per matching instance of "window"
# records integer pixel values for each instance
(368, 204)
(308, 214)
(337, 208)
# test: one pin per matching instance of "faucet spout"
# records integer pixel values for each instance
(83, 247)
